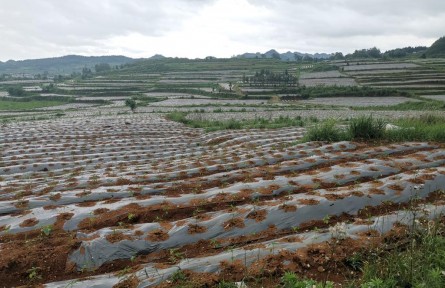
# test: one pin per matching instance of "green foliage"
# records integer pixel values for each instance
(421, 265)
(46, 230)
(178, 277)
(403, 52)
(16, 91)
(426, 128)
(27, 104)
(322, 67)
(102, 67)
(33, 274)
(131, 103)
(367, 128)
(326, 131)
(266, 77)
(53, 66)
(365, 53)
(291, 280)
(427, 105)
(143, 100)
(257, 123)
(224, 284)
(347, 91)
(437, 49)
(49, 88)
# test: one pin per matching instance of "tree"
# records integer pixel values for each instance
(86, 73)
(16, 91)
(337, 56)
(50, 88)
(131, 103)
(102, 67)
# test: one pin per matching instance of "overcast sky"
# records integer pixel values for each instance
(222, 28)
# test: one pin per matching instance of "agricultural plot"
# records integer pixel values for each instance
(359, 101)
(435, 97)
(122, 200)
(196, 102)
(329, 78)
(422, 77)
(321, 114)
(97, 196)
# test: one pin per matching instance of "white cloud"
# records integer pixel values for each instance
(198, 28)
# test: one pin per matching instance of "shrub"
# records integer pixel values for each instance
(17, 91)
(131, 103)
(326, 131)
(290, 280)
(367, 128)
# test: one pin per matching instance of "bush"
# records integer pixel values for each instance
(291, 280)
(425, 128)
(420, 265)
(326, 131)
(131, 103)
(16, 91)
(367, 128)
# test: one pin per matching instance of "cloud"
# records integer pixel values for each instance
(197, 28)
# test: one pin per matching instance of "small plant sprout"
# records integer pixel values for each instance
(33, 274)
(175, 255)
(326, 219)
(46, 230)
(131, 216)
(215, 243)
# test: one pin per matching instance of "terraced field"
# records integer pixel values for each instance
(141, 197)
(93, 195)
(421, 77)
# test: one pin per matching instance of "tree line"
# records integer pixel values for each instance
(266, 77)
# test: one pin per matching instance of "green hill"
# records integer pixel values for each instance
(437, 49)
(60, 65)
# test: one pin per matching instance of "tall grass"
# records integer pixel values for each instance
(327, 131)
(418, 263)
(233, 124)
(425, 128)
(367, 128)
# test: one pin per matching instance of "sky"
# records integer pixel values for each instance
(32, 29)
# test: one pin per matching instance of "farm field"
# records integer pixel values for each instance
(93, 194)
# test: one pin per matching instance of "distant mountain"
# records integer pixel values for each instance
(287, 56)
(60, 65)
(437, 49)
(157, 57)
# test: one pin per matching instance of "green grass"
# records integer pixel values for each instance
(427, 105)
(366, 128)
(6, 105)
(291, 280)
(418, 262)
(257, 123)
(326, 131)
(426, 128)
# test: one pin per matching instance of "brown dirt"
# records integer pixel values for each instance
(158, 235)
(29, 222)
(196, 229)
(233, 223)
(257, 215)
(117, 237)
(288, 208)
